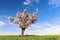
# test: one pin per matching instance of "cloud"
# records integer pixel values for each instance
(4, 20)
(54, 3)
(46, 24)
(28, 2)
(36, 0)
(52, 30)
(40, 26)
(4, 16)
(2, 23)
(44, 28)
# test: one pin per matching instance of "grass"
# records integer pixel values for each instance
(30, 37)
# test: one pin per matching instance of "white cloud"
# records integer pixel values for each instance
(48, 24)
(3, 20)
(53, 29)
(4, 16)
(2, 23)
(28, 2)
(54, 3)
(36, 0)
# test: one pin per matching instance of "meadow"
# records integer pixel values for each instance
(30, 37)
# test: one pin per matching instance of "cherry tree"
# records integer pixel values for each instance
(24, 19)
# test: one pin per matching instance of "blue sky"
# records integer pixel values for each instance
(48, 16)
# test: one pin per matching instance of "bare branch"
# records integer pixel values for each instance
(25, 11)
(15, 21)
(28, 23)
(18, 14)
(10, 19)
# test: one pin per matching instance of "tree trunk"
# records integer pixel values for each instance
(22, 32)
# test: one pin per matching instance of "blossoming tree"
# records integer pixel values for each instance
(24, 19)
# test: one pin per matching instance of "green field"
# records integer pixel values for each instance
(31, 37)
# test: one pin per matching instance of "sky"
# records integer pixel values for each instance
(48, 21)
